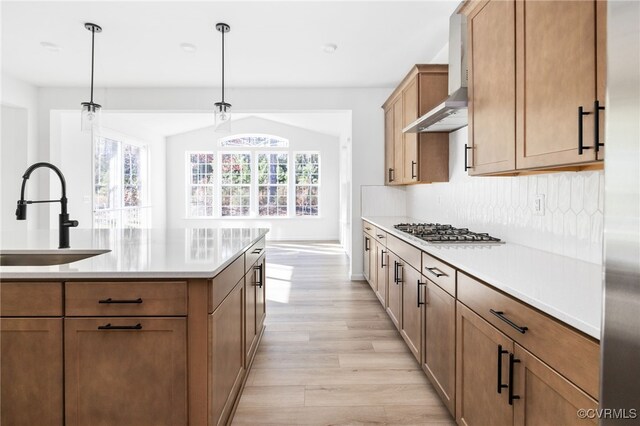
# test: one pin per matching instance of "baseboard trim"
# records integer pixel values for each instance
(357, 277)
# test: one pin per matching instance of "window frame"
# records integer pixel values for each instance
(144, 174)
(318, 185)
(189, 184)
(286, 185)
(252, 176)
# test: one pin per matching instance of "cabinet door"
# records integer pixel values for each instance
(250, 334)
(545, 397)
(556, 74)
(440, 342)
(373, 266)
(31, 371)
(261, 293)
(382, 273)
(394, 289)
(366, 258)
(398, 143)
(411, 324)
(410, 114)
(478, 379)
(125, 371)
(492, 97)
(226, 361)
(389, 158)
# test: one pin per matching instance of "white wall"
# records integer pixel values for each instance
(367, 122)
(72, 151)
(324, 227)
(18, 150)
(504, 206)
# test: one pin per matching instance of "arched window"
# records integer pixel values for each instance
(253, 141)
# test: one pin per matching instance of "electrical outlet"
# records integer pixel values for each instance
(538, 205)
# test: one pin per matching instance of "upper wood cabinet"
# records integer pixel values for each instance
(410, 157)
(532, 65)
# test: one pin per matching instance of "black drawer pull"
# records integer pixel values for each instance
(500, 315)
(380, 236)
(256, 251)
(433, 270)
(108, 326)
(500, 353)
(512, 361)
(110, 300)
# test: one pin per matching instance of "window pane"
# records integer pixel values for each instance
(307, 175)
(200, 199)
(236, 181)
(272, 184)
(254, 141)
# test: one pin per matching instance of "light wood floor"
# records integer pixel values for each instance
(330, 355)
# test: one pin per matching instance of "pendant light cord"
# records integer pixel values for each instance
(223, 65)
(93, 37)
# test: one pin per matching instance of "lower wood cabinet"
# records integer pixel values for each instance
(412, 312)
(255, 312)
(226, 366)
(394, 289)
(439, 347)
(481, 372)
(261, 293)
(382, 276)
(31, 371)
(544, 396)
(366, 258)
(125, 371)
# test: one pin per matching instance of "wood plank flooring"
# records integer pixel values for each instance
(330, 355)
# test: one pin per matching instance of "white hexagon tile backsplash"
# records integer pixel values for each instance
(572, 223)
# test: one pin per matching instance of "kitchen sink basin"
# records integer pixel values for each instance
(46, 257)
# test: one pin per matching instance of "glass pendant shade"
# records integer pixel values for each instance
(90, 119)
(223, 116)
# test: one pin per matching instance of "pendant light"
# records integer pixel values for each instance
(90, 110)
(223, 109)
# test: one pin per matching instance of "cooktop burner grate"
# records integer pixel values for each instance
(439, 233)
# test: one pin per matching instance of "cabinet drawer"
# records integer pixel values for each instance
(380, 236)
(29, 299)
(222, 284)
(572, 354)
(254, 252)
(440, 273)
(368, 228)
(125, 298)
(406, 252)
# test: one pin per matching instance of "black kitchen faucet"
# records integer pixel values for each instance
(64, 222)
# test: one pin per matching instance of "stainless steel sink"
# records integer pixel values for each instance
(45, 257)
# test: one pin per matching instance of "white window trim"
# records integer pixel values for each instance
(188, 184)
(258, 152)
(252, 189)
(319, 185)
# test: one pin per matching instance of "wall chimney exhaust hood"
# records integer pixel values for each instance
(451, 114)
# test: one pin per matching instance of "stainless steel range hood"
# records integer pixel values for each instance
(451, 114)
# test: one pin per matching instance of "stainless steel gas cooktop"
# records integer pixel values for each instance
(439, 233)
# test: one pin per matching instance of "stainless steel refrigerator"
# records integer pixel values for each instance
(620, 364)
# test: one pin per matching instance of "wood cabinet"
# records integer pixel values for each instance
(31, 371)
(254, 313)
(226, 363)
(366, 258)
(532, 64)
(412, 311)
(125, 371)
(439, 342)
(481, 370)
(382, 272)
(545, 397)
(261, 294)
(410, 157)
(394, 288)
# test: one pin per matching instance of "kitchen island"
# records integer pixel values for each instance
(161, 330)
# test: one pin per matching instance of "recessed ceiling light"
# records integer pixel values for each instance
(50, 46)
(188, 47)
(329, 48)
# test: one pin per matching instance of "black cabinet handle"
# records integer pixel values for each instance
(110, 300)
(581, 114)
(256, 251)
(382, 252)
(512, 361)
(500, 315)
(391, 173)
(395, 272)
(380, 236)
(259, 269)
(367, 228)
(500, 353)
(398, 279)
(425, 296)
(413, 173)
(108, 326)
(596, 125)
(466, 164)
(366, 243)
(438, 274)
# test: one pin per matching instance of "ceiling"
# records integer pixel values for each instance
(271, 43)
(334, 123)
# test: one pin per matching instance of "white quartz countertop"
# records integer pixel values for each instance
(135, 253)
(567, 289)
